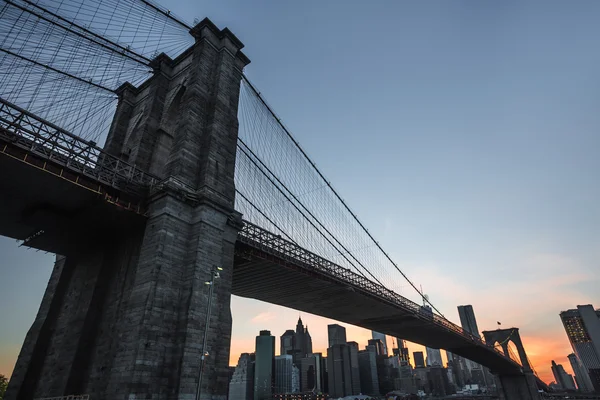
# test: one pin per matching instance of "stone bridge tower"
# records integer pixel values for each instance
(125, 316)
(522, 386)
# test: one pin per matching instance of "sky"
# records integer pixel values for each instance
(464, 134)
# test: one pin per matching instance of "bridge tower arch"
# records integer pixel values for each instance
(125, 316)
(503, 337)
(522, 386)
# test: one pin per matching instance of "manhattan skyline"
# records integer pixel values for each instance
(464, 137)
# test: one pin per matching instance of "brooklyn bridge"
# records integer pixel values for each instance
(133, 147)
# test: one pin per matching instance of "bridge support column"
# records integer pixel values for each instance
(517, 387)
(124, 317)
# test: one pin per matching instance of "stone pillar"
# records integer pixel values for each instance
(517, 387)
(125, 318)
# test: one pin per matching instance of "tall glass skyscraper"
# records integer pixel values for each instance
(264, 366)
(583, 330)
(584, 384)
(467, 319)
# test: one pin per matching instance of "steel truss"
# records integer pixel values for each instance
(288, 253)
(51, 143)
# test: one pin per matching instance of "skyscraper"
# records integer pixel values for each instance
(564, 380)
(367, 363)
(377, 346)
(339, 370)
(383, 338)
(242, 382)
(583, 330)
(312, 373)
(584, 384)
(302, 342)
(419, 360)
(283, 374)
(434, 357)
(467, 319)
(354, 368)
(264, 365)
(336, 334)
(287, 342)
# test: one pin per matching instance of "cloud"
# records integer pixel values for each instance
(263, 317)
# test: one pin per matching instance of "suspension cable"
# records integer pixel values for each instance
(264, 102)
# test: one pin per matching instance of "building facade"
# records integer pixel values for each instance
(582, 326)
(264, 366)
(434, 357)
(383, 338)
(241, 386)
(563, 379)
(582, 378)
(284, 365)
(419, 359)
(339, 371)
(336, 334)
(367, 364)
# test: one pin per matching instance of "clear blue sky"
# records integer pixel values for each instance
(465, 134)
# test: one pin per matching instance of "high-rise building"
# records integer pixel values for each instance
(419, 359)
(434, 357)
(242, 382)
(377, 345)
(303, 339)
(467, 319)
(563, 380)
(264, 366)
(367, 363)
(583, 330)
(354, 368)
(283, 374)
(287, 341)
(383, 338)
(311, 372)
(403, 350)
(339, 370)
(477, 373)
(584, 384)
(295, 379)
(336, 334)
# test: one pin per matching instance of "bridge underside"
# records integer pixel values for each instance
(261, 276)
(53, 208)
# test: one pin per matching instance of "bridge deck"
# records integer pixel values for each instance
(267, 270)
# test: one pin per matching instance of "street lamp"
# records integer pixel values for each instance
(214, 275)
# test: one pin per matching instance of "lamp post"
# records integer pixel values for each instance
(214, 275)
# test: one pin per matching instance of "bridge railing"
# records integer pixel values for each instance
(50, 142)
(288, 251)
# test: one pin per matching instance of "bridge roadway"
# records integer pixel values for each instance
(57, 192)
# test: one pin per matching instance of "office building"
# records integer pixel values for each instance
(383, 338)
(336, 334)
(303, 341)
(241, 386)
(584, 384)
(563, 380)
(419, 359)
(434, 357)
(467, 319)
(582, 326)
(283, 374)
(376, 345)
(339, 371)
(354, 368)
(367, 363)
(264, 366)
(287, 341)
(311, 373)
